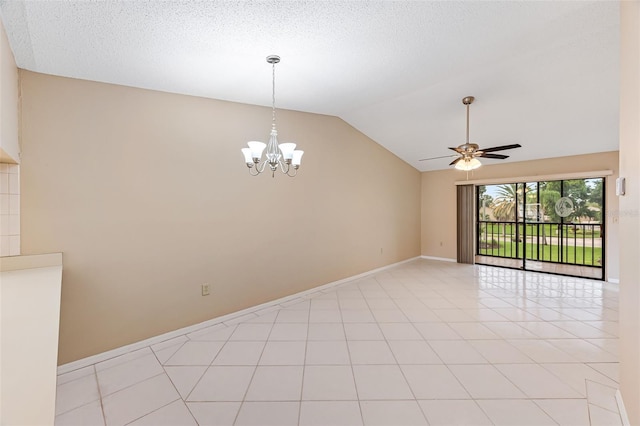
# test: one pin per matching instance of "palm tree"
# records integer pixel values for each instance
(504, 204)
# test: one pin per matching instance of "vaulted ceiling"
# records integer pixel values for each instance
(544, 74)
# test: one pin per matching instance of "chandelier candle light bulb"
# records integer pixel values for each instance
(282, 156)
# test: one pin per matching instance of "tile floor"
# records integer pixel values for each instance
(423, 343)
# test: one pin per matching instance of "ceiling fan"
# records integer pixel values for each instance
(467, 153)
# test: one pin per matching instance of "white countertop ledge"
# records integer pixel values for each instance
(30, 288)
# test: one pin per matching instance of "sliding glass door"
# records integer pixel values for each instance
(549, 226)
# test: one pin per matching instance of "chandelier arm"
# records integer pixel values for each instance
(295, 172)
(252, 173)
(284, 168)
(260, 167)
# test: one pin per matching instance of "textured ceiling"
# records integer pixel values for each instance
(544, 74)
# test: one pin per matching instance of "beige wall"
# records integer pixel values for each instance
(630, 209)
(148, 197)
(439, 199)
(8, 102)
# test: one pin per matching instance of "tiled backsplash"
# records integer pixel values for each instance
(9, 209)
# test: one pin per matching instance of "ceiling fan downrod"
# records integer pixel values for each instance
(468, 100)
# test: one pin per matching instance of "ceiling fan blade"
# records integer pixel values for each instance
(496, 156)
(455, 161)
(455, 149)
(435, 158)
(501, 148)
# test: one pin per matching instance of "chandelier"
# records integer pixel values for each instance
(282, 156)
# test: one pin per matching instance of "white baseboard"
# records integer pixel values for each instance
(623, 412)
(442, 259)
(226, 319)
(613, 280)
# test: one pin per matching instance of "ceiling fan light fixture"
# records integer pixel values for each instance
(468, 164)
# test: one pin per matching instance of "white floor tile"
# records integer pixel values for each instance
(413, 352)
(324, 316)
(268, 414)
(453, 315)
(330, 352)
(542, 351)
(566, 412)
(421, 315)
(318, 303)
(433, 382)
(288, 332)
(546, 330)
(576, 375)
(509, 330)
(217, 333)
(381, 382)
(164, 354)
(601, 417)
(76, 393)
(485, 381)
(609, 369)
(174, 414)
(293, 316)
(457, 352)
(408, 345)
(583, 351)
(473, 330)
(76, 374)
(276, 383)
(89, 414)
(283, 353)
(326, 331)
(357, 316)
(353, 303)
(330, 413)
(122, 359)
(582, 330)
(251, 332)
(195, 353)
(536, 382)
(515, 413)
(500, 352)
(128, 373)
(609, 345)
(485, 315)
(370, 352)
(454, 412)
(400, 331)
(389, 315)
(392, 413)
(601, 395)
(228, 383)
(185, 378)
(214, 413)
(363, 331)
(381, 303)
(239, 353)
(436, 331)
(328, 383)
(138, 400)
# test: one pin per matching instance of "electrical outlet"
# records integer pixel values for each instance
(205, 289)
